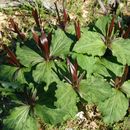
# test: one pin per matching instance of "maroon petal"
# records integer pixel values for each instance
(14, 25)
(73, 71)
(45, 45)
(11, 54)
(65, 16)
(77, 30)
(10, 61)
(111, 26)
(36, 37)
(49, 37)
(36, 17)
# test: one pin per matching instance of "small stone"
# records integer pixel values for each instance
(69, 129)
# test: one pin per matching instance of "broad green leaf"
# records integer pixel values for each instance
(27, 56)
(19, 75)
(60, 44)
(126, 88)
(49, 115)
(100, 66)
(94, 90)
(90, 43)
(6, 91)
(66, 99)
(32, 123)
(7, 72)
(114, 108)
(86, 62)
(108, 67)
(121, 49)
(112, 65)
(70, 29)
(19, 119)
(44, 73)
(8, 84)
(13, 74)
(92, 65)
(8, 88)
(102, 24)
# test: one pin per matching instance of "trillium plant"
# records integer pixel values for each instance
(44, 75)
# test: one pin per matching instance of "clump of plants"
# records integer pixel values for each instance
(46, 76)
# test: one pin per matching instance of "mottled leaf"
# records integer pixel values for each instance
(66, 99)
(27, 56)
(114, 108)
(95, 90)
(126, 88)
(19, 119)
(90, 43)
(121, 49)
(60, 44)
(49, 115)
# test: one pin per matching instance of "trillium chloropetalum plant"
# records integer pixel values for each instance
(45, 76)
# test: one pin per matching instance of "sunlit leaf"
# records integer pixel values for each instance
(95, 90)
(114, 108)
(27, 56)
(90, 43)
(66, 99)
(120, 49)
(60, 44)
(126, 88)
(19, 119)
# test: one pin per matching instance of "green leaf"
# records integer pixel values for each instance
(111, 65)
(100, 66)
(13, 74)
(90, 43)
(19, 119)
(6, 91)
(7, 72)
(94, 90)
(92, 65)
(114, 108)
(126, 88)
(45, 73)
(19, 75)
(8, 84)
(31, 124)
(121, 49)
(60, 43)
(66, 99)
(27, 56)
(102, 24)
(86, 62)
(48, 115)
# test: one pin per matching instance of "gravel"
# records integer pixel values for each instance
(48, 4)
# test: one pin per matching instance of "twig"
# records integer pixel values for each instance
(102, 6)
